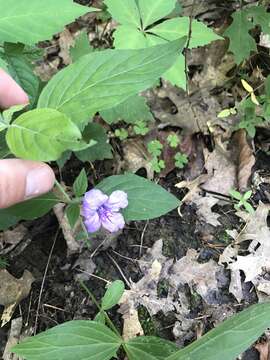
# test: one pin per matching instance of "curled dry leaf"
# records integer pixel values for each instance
(13, 291)
(246, 159)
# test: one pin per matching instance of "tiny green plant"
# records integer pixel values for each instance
(173, 140)
(140, 128)
(155, 148)
(121, 133)
(242, 200)
(3, 263)
(180, 160)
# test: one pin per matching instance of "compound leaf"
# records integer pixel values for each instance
(153, 10)
(124, 12)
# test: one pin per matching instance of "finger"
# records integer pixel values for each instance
(23, 179)
(10, 92)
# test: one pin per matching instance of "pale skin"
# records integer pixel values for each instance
(20, 179)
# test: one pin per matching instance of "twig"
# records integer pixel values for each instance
(43, 280)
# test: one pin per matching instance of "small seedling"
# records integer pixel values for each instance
(122, 134)
(242, 200)
(157, 165)
(140, 128)
(3, 263)
(173, 140)
(180, 160)
(155, 148)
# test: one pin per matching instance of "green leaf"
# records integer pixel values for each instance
(230, 338)
(81, 47)
(104, 79)
(100, 318)
(22, 72)
(174, 28)
(235, 194)
(146, 200)
(150, 348)
(3, 64)
(79, 339)
(153, 10)
(260, 17)
(80, 184)
(27, 210)
(176, 74)
(42, 134)
(247, 195)
(73, 213)
(131, 111)
(241, 42)
(125, 12)
(31, 21)
(129, 37)
(8, 114)
(113, 295)
(101, 150)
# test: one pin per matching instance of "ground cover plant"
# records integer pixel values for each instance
(131, 102)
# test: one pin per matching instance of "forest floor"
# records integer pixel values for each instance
(200, 279)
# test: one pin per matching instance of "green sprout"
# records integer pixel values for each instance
(140, 128)
(173, 140)
(155, 148)
(242, 200)
(157, 165)
(3, 263)
(180, 160)
(122, 133)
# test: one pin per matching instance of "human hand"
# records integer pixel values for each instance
(20, 179)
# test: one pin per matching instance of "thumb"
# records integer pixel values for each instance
(23, 179)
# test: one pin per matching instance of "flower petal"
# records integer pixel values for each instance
(92, 200)
(92, 223)
(117, 200)
(113, 222)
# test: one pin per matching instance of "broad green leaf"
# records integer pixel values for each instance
(81, 47)
(22, 72)
(229, 339)
(100, 318)
(176, 74)
(3, 64)
(80, 184)
(174, 28)
(4, 150)
(31, 21)
(79, 339)
(73, 213)
(27, 210)
(260, 17)
(104, 79)
(150, 348)
(153, 10)
(129, 37)
(42, 134)
(125, 12)
(241, 42)
(101, 150)
(131, 111)
(8, 114)
(113, 295)
(146, 200)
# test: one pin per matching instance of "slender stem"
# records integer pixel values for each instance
(100, 309)
(63, 192)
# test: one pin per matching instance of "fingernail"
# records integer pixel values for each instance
(36, 181)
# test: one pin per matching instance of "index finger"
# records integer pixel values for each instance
(10, 92)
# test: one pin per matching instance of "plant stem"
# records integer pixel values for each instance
(63, 192)
(112, 326)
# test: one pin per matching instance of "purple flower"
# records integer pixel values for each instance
(102, 210)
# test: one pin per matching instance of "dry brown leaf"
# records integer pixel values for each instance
(246, 159)
(11, 238)
(204, 209)
(13, 291)
(136, 157)
(193, 186)
(220, 166)
(264, 350)
(66, 40)
(13, 339)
